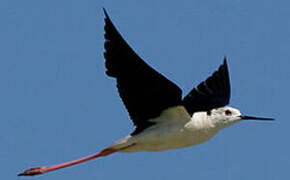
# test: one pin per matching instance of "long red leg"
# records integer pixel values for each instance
(45, 169)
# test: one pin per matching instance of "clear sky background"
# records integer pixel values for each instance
(57, 104)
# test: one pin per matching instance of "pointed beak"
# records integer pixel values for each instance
(255, 118)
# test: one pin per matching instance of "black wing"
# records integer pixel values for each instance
(212, 93)
(144, 91)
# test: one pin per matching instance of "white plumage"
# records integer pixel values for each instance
(162, 118)
(176, 129)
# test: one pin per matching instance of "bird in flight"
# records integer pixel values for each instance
(163, 119)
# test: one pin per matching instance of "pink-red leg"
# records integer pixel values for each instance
(45, 169)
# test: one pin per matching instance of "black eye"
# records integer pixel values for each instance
(228, 112)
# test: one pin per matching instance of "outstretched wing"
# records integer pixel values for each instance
(212, 93)
(144, 91)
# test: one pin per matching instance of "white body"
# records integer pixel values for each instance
(173, 129)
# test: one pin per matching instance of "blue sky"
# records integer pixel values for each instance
(57, 103)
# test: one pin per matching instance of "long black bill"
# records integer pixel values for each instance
(256, 118)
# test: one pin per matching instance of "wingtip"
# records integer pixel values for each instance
(105, 12)
(225, 59)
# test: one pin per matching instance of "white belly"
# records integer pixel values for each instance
(174, 129)
(172, 138)
(167, 137)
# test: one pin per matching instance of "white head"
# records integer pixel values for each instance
(226, 116)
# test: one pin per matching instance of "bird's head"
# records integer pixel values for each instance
(226, 116)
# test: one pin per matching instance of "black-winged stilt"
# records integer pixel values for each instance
(162, 118)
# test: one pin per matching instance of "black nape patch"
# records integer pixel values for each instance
(208, 112)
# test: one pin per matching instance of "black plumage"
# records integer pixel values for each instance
(212, 93)
(146, 93)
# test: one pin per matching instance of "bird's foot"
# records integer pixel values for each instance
(32, 171)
